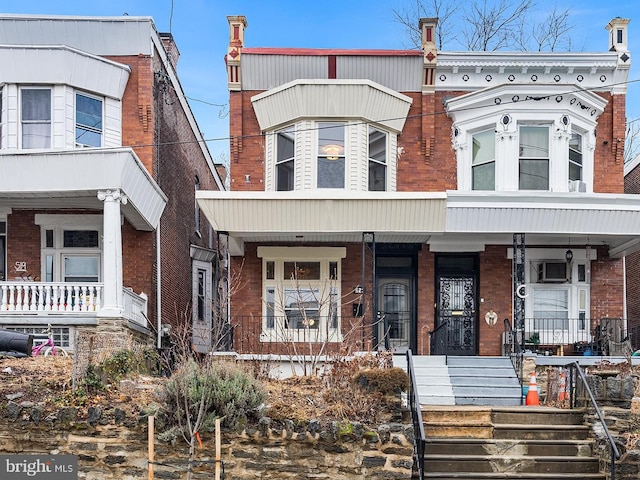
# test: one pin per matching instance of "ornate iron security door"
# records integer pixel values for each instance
(456, 312)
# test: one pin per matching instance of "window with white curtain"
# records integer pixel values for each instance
(35, 117)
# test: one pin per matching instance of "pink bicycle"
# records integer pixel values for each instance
(48, 347)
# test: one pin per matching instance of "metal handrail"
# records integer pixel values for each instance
(615, 453)
(516, 354)
(416, 417)
(436, 336)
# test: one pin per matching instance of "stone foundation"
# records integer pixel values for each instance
(112, 446)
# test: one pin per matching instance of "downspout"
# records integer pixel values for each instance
(158, 285)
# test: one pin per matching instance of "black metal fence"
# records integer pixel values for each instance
(550, 336)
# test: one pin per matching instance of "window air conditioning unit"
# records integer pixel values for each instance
(552, 272)
(577, 186)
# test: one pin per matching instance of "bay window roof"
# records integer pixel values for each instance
(322, 98)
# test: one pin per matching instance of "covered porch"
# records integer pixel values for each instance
(73, 205)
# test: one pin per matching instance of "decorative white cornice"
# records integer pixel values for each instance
(473, 70)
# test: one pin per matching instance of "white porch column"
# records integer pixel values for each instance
(112, 253)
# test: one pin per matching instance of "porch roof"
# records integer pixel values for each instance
(447, 222)
(323, 216)
(72, 179)
(595, 218)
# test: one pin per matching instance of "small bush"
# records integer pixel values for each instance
(388, 381)
(225, 391)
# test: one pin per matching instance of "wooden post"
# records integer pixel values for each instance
(151, 446)
(217, 471)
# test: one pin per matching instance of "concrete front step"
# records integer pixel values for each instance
(510, 464)
(495, 443)
(485, 446)
(513, 476)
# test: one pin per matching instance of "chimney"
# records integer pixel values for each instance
(429, 53)
(170, 47)
(237, 25)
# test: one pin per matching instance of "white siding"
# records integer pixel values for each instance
(112, 128)
(99, 35)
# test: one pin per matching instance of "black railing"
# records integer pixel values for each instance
(578, 336)
(514, 350)
(579, 390)
(416, 417)
(572, 336)
(439, 340)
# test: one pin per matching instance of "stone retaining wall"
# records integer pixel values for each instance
(114, 446)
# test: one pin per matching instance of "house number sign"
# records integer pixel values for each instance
(21, 266)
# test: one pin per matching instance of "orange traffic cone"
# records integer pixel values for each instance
(532, 393)
(562, 388)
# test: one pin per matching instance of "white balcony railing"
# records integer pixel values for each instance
(46, 297)
(135, 307)
(50, 297)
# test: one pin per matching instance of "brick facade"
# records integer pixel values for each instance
(161, 133)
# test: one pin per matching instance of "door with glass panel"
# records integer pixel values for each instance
(394, 313)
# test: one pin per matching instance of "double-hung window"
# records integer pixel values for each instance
(35, 117)
(377, 160)
(534, 157)
(483, 161)
(285, 159)
(331, 159)
(88, 121)
(575, 156)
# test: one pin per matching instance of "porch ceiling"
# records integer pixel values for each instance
(323, 216)
(72, 179)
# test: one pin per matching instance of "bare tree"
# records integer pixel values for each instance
(441, 9)
(632, 140)
(488, 25)
(491, 27)
(550, 34)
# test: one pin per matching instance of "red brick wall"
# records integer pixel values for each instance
(607, 288)
(23, 243)
(495, 289)
(247, 144)
(608, 175)
(632, 185)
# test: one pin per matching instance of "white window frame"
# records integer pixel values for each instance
(578, 293)
(201, 326)
(376, 161)
(59, 224)
(356, 156)
(34, 122)
(89, 128)
(281, 162)
(274, 326)
(2, 117)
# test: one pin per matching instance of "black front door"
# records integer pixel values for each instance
(456, 306)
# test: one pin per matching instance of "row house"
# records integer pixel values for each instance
(100, 160)
(415, 199)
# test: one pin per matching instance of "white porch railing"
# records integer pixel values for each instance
(135, 306)
(43, 297)
(50, 297)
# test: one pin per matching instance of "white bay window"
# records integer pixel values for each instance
(509, 139)
(301, 291)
